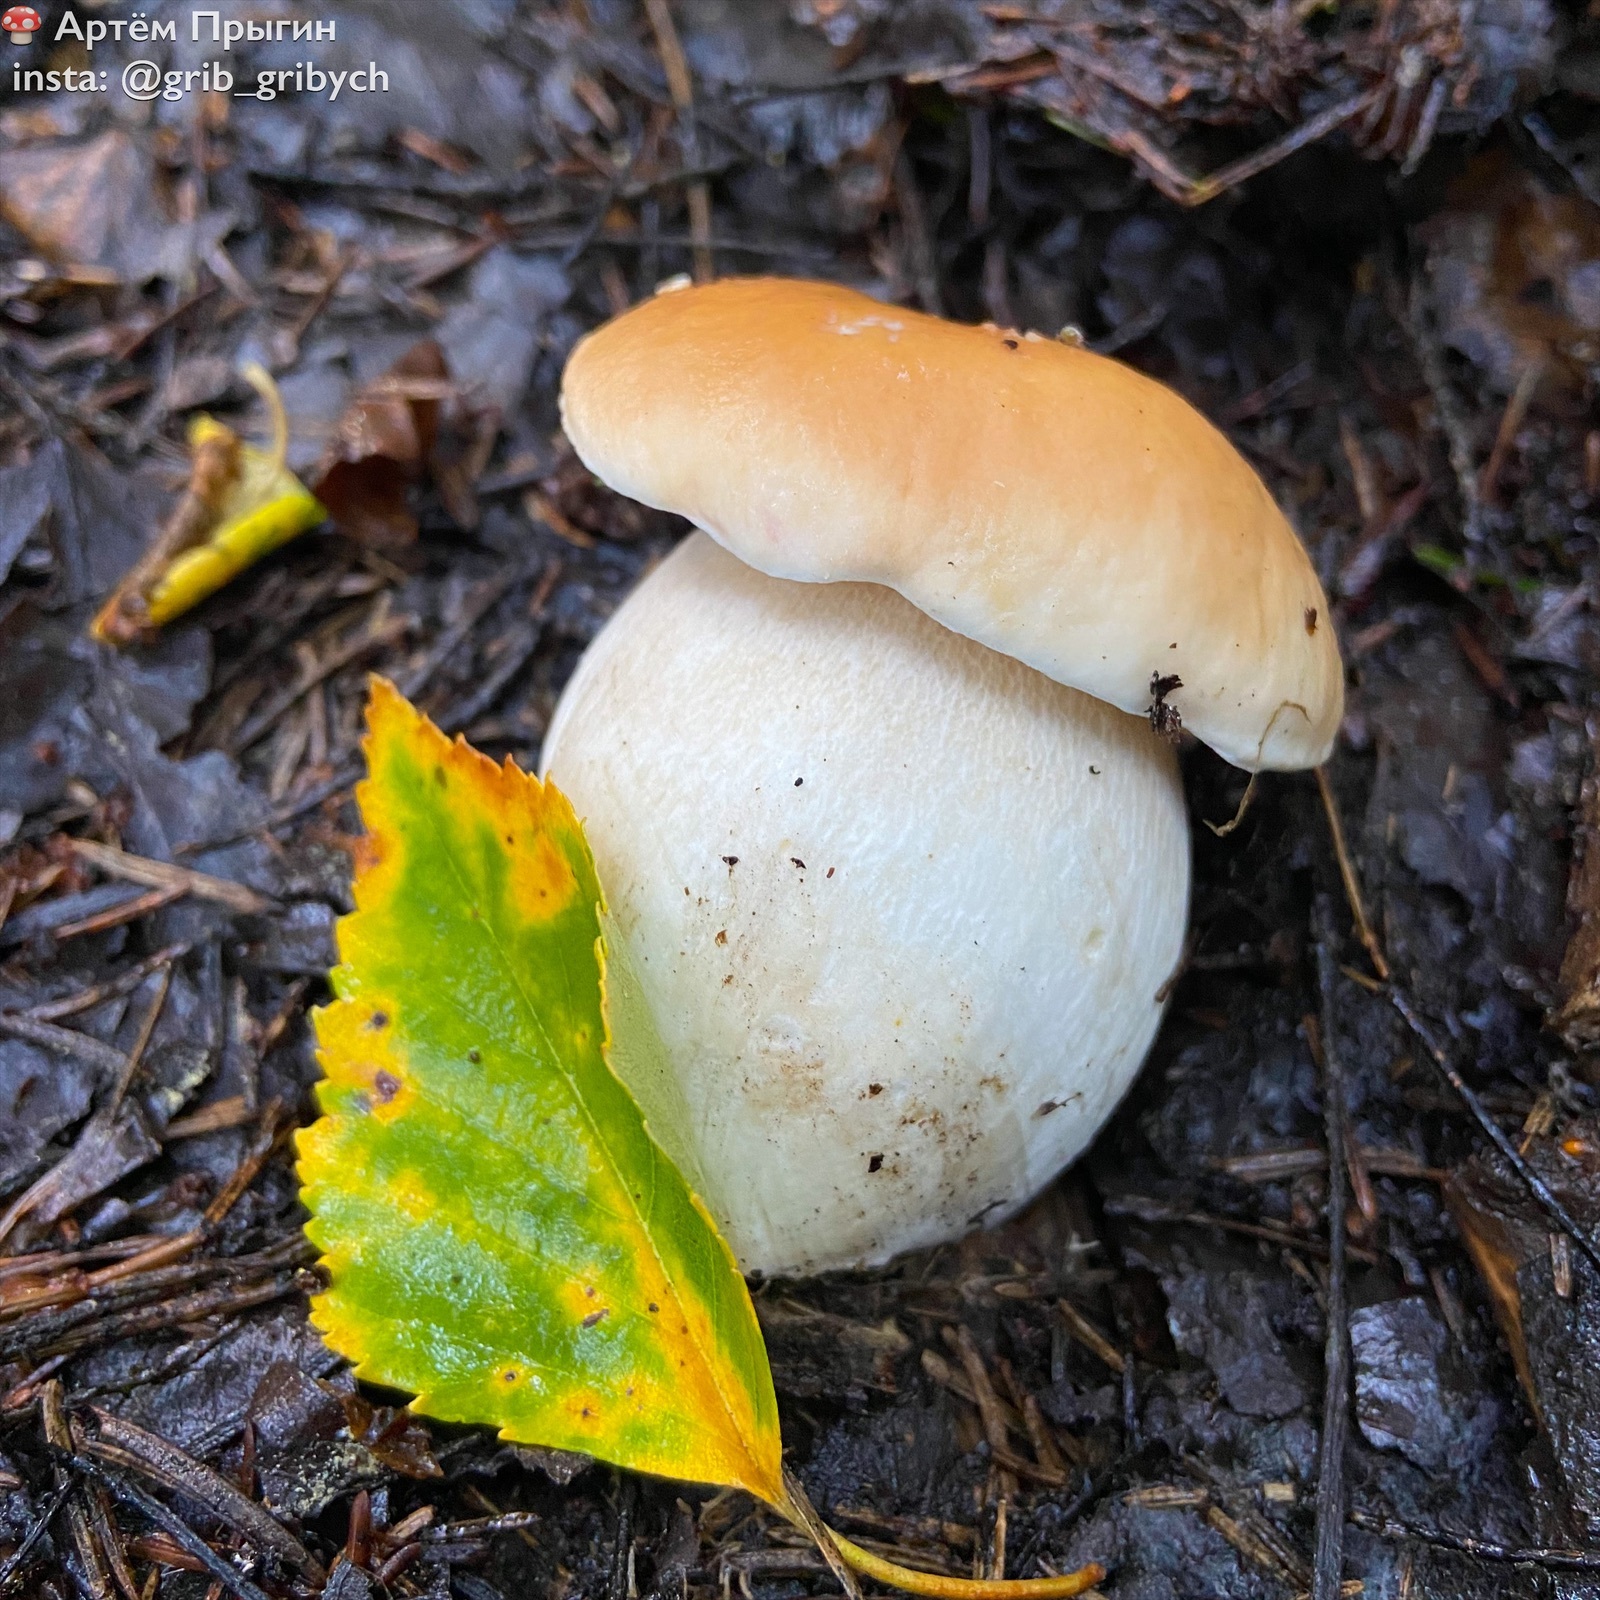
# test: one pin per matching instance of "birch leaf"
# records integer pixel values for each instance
(503, 1234)
(505, 1238)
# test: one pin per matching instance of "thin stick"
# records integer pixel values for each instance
(1563, 1560)
(141, 905)
(798, 1509)
(1347, 873)
(1511, 420)
(104, 1118)
(1085, 1332)
(80, 1530)
(1177, 185)
(147, 1027)
(1147, 1209)
(173, 1526)
(19, 1558)
(1328, 1571)
(112, 989)
(64, 1041)
(1497, 1135)
(681, 87)
(378, 633)
(163, 875)
(989, 1412)
(119, 1443)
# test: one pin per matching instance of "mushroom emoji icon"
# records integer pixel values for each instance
(21, 22)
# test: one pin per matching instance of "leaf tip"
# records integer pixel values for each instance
(388, 711)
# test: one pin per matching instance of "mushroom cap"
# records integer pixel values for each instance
(1052, 504)
(901, 906)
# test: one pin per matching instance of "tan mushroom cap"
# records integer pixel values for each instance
(1049, 503)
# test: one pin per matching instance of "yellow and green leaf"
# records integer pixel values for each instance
(504, 1237)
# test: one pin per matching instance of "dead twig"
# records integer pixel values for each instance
(234, 1112)
(74, 1284)
(960, 1340)
(1328, 1569)
(1177, 185)
(98, 1133)
(476, 607)
(821, 1535)
(19, 1558)
(1274, 1166)
(141, 1043)
(172, 1525)
(482, 1527)
(379, 632)
(163, 875)
(91, 1558)
(1246, 1542)
(680, 85)
(1347, 875)
(947, 1377)
(1085, 1332)
(111, 989)
(125, 911)
(1557, 1557)
(1493, 1131)
(120, 1443)
(1148, 1209)
(1511, 420)
(77, 1328)
(906, 1530)
(64, 1041)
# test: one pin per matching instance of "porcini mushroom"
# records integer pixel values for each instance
(899, 862)
(21, 22)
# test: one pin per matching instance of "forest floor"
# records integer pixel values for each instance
(1363, 239)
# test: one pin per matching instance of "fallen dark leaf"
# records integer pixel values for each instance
(1515, 269)
(102, 203)
(1414, 1393)
(381, 449)
(397, 1438)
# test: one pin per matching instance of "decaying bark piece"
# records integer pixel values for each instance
(1576, 1016)
(1546, 1295)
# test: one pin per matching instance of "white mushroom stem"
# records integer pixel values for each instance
(902, 906)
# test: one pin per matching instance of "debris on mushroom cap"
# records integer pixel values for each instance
(1048, 502)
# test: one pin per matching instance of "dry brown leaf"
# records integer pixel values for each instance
(381, 449)
(1516, 277)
